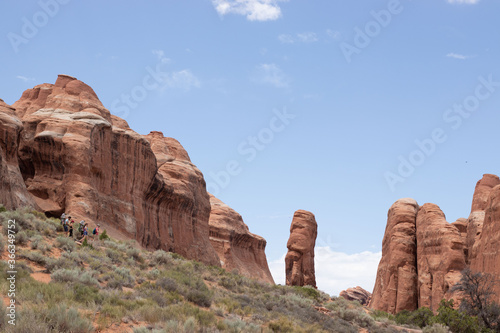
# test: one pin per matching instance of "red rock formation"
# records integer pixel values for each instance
(488, 243)
(440, 256)
(299, 261)
(422, 257)
(476, 217)
(356, 294)
(237, 248)
(13, 191)
(396, 284)
(76, 157)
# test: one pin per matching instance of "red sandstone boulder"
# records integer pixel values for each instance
(237, 248)
(396, 284)
(299, 261)
(356, 294)
(13, 191)
(77, 158)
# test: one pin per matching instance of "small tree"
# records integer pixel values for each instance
(478, 297)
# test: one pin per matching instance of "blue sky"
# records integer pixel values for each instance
(337, 107)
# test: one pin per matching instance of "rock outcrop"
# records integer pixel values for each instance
(441, 256)
(435, 252)
(356, 294)
(237, 248)
(13, 192)
(397, 279)
(299, 260)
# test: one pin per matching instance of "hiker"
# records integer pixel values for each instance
(71, 229)
(95, 232)
(63, 218)
(85, 232)
(66, 223)
(80, 227)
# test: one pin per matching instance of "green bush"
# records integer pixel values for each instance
(74, 276)
(457, 321)
(420, 317)
(63, 319)
(104, 235)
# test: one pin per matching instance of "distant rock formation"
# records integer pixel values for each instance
(62, 151)
(237, 248)
(423, 255)
(299, 261)
(356, 294)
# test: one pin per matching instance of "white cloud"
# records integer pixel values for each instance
(307, 37)
(254, 10)
(466, 2)
(25, 79)
(183, 79)
(337, 271)
(458, 56)
(271, 74)
(160, 54)
(286, 39)
(333, 34)
(304, 37)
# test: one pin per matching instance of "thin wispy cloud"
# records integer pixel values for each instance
(465, 2)
(271, 74)
(458, 56)
(304, 37)
(160, 54)
(25, 78)
(183, 79)
(336, 271)
(333, 34)
(254, 10)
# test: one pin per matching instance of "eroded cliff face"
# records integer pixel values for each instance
(13, 191)
(77, 158)
(397, 279)
(62, 151)
(441, 256)
(299, 260)
(435, 251)
(237, 248)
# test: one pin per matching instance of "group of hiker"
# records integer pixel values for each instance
(83, 228)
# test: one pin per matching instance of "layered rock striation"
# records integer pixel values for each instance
(356, 294)
(237, 248)
(299, 260)
(62, 151)
(423, 255)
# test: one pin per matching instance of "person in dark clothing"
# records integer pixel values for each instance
(70, 228)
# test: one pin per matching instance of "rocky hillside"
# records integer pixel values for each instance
(62, 151)
(423, 255)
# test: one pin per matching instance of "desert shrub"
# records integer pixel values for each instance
(21, 238)
(380, 315)
(190, 325)
(167, 284)
(435, 328)
(114, 255)
(3, 242)
(134, 253)
(420, 317)
(153, 274)
(239, 326)
(26, 220)
(63, 319)
(2, 209)
(200, 297)
(457, 321)
(282, 325)
(358, 316)
(86, 294)
(65, 243)
(74, 276)
(104, 235)
(160, 257)
(308, 292)
(35, 257)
